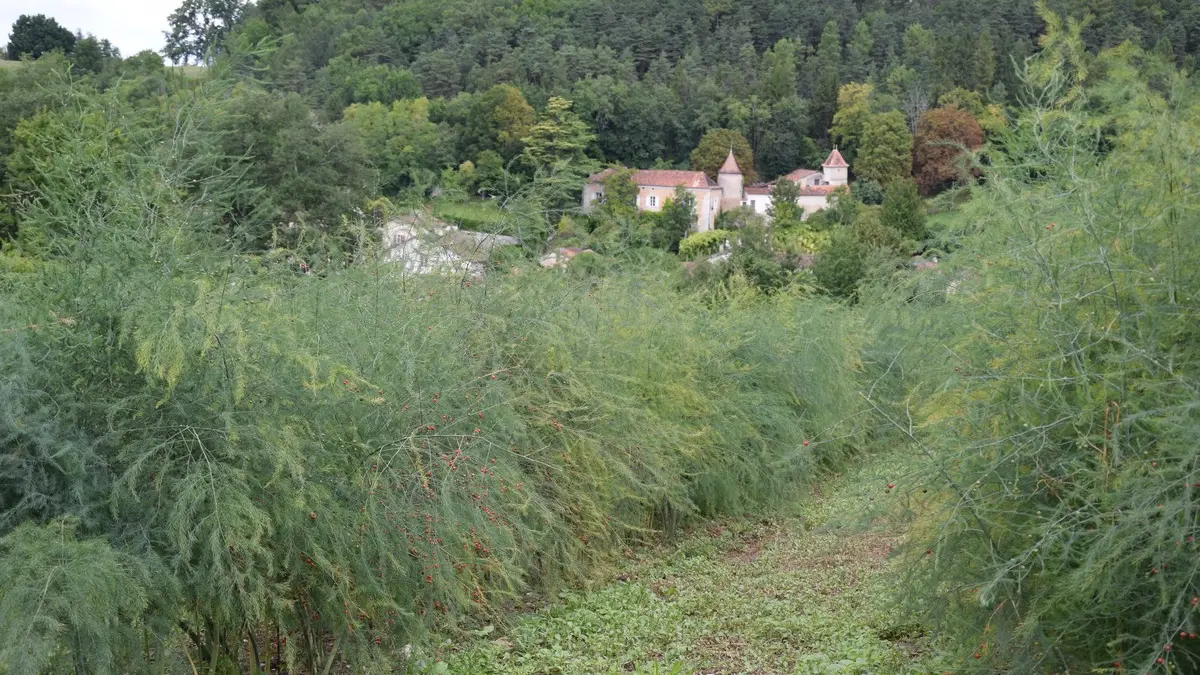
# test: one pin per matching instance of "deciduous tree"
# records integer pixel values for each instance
(198, 27)
(853, 111)
(677, 217)
(91, 54)
(36, 34)
(714, 147)
(943, 134)
(620, 195)
(785, 211)
(885, 153)
(402, 143)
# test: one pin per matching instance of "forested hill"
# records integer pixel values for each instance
(342, 101)
(652, 76)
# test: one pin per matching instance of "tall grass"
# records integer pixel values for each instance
(346, 459)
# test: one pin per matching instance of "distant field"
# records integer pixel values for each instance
(473, 214)
(191, 72)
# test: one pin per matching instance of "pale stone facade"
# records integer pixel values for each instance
(728, 192)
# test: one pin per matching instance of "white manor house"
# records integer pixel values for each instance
(728, 192)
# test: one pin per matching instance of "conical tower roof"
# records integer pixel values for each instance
(836, 161)
(730, 165)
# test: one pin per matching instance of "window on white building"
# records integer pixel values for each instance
(653, 200)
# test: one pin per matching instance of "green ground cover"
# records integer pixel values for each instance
(478, 215)
(811, 591)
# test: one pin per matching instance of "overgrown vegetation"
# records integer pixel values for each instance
(808, 592)
(1053, 386)
(347, 454)
(229, 429)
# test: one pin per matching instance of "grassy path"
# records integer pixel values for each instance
(812, 592)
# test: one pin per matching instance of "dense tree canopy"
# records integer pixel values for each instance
(34, 35)
(714, 148)
(198, 29)
(886, 151)
(943, 135)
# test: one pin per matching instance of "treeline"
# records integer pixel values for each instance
(651, 78)
(444, 94)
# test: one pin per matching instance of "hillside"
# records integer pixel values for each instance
(317, 356)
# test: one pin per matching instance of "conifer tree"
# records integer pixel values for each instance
(858, 53)
(885, 153)
(827, 65)
(903, 209)
(778, 81)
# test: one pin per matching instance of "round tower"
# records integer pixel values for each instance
(729, 178)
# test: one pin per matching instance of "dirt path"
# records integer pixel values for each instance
(808, 593)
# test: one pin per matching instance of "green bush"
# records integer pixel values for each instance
(799, 240)
(842, 264)
(702, 244)
(352, 455)
(1053, 383)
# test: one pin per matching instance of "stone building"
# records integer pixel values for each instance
(726, 193)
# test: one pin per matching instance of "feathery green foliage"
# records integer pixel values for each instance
(349, 454)
(1054, 384)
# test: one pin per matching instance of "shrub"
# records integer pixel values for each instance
(1054, 388)
(868, 192)
(799, 240)
(904, 210)
(701, 244)
(841, 265)
(354, 456)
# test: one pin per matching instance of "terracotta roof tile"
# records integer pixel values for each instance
(758, 190)
(836, 161)
(661, 178)
(599, 177)
(730, 165)
(800, 174)
(669, 178)
(819, 190)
